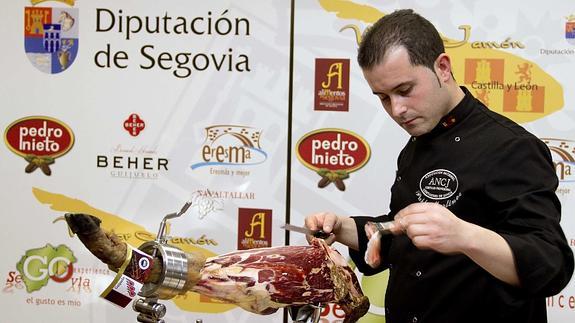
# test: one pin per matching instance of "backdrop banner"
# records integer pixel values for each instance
(255, 111)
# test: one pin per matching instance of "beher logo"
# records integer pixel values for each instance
(38, 266)
(331, 84)
(230, 145)
(563, 152)
(134, 125)
(332, 154)
(570, 29)
(39, 140)
(133, 162)
(51, 36)
(254, 228)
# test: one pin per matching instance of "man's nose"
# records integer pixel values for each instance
(397, 107)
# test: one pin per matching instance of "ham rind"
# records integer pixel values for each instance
(263, 280)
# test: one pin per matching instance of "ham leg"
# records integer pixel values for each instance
(258, 280)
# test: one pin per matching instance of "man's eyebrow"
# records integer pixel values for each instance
(397, 86)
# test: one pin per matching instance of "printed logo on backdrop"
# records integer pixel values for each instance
(207, 201)
(570, 29)
(39, 140)
(133, 161)
(505, 82)
(440, 186)
(38, 267)
(569, 35)
(331, 84)
(228, 146)
(254, 228)
(519, 94)
(51, 36)
(134, 125)
(46, 265)
(563, 154)
(333, 154)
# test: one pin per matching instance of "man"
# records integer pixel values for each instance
(476, 234)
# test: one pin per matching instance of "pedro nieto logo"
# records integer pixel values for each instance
(570, 29)
(39, 140)
(332, 154)
(563, 154)
(331, 84)
(51, 36)
(231, 145)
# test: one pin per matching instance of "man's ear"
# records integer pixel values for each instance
(443, 67)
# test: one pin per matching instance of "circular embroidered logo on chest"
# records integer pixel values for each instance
(439, 184)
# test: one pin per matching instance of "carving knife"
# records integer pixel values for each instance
(316, 233)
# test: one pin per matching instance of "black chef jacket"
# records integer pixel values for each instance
(489, 171)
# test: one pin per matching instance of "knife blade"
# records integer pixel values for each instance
(383, 227)
(316, 233)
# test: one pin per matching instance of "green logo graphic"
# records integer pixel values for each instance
(40, 265)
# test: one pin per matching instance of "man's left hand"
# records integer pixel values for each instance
(432, 226)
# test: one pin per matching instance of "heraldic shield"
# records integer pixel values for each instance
(570, 30)
(51, 37)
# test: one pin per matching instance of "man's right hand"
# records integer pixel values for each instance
(342, 229)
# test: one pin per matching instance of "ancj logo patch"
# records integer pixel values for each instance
(51, 36)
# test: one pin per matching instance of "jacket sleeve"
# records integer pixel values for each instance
(521, 192)
(358, 256)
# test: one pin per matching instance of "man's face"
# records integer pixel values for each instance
(411, 95)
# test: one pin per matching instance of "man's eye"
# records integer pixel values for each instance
(405, 91)
(383, 98)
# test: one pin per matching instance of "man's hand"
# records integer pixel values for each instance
(342, 228)
(325, 221)
(432, 226)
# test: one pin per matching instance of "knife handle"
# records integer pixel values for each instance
(321, 234)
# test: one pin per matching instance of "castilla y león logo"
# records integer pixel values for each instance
(332, 154)
(51, 36)
(39, 140)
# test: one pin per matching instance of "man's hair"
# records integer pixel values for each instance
(401, 28)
